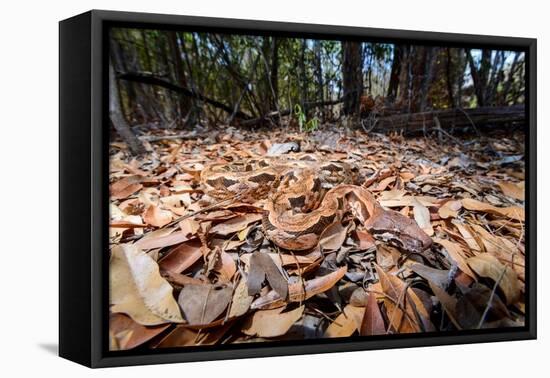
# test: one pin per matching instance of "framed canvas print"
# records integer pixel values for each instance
(233, 188)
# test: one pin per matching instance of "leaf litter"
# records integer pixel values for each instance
(213, 278)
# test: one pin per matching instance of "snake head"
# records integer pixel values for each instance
(398, 230)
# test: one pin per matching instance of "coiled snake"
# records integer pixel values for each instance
(305, 194)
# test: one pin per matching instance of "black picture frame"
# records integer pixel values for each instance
(83, 182)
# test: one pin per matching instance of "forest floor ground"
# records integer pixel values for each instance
(185, 283)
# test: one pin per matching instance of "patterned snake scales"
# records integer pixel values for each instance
(304, 195)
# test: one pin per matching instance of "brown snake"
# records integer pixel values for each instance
(304, 195)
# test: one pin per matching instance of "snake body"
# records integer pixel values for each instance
(304, 194)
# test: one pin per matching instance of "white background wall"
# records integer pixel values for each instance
(29, 188)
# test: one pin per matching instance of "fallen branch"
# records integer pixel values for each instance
(147, 78)
(449, 118)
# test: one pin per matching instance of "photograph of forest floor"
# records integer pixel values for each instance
(187, 269)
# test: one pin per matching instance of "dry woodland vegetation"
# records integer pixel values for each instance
(213, 277)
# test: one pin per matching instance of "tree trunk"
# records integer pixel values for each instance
(352, 76)
(405, 74)
(117, 118)
(275, 70)
(427, 73)
(394, 75)
(184, 103)
(480, 76)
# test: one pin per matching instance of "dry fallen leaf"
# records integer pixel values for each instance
(422, 217)
(296, 290)
(373, 323)
(403, 317)
(128, 334)
(347, 323)
(202, 304)
(271, 323)
(512, 190)
(333, 237)
(137, 288)
(486, 265)
(512, 212)
(456, 254)
(262, 266)
(235, 224)
(156, 216)
(182, 256)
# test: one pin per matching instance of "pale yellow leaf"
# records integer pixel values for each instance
(137, 288)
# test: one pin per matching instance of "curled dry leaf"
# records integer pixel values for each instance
(438, 276)
(422, 217)
(512, 212)
(202, 304)
(450, 209)
(137, 288)
(189, 227)
(296, 290)
(156, 216)
(486, 265)
(272, 323)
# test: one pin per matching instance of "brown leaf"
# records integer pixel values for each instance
(182, 335)
(165, 238)
(241, 300)
(422, 217)
(296, 290)
(272, 323)
(225, 267)
(486, 265)
(471, 306)
(402, 314)
(467, 235)
(137, 288)
(512, 212)
(189, 227)
(235, 224)
(373, 323)
(512, 190)
(181, 257)
(346, 323)
(333, 237)
(383, 184)
(448, 302)
(129, 334)
(125, 187)
(450, 209)
(437, 276)
(456, 254)
(262, 266)
(202, 304)
(157, 217)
